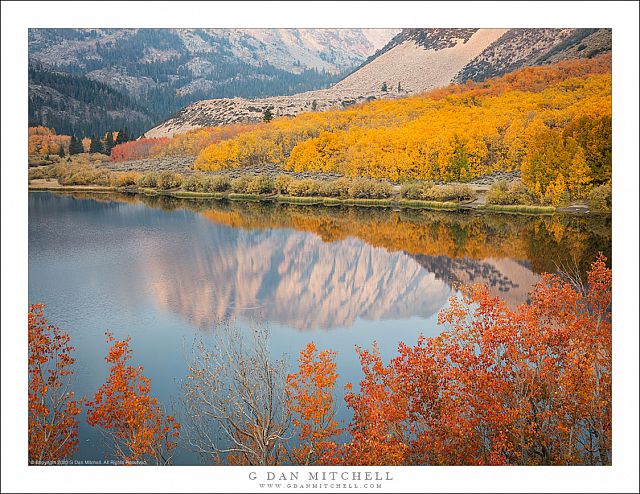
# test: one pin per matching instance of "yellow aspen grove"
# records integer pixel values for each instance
(542, 120)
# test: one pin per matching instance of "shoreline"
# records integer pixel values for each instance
(327, 201)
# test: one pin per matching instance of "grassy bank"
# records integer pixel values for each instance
(311, 201)
(517, 208)
(285, 199)
(354, 191)
(82, 176)
(73, 188)
(301, 200)
(515, 197)
(196, 195)
(428, 204)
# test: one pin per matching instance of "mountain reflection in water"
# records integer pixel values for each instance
(310, 268)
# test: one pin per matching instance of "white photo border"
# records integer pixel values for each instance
(17, 17)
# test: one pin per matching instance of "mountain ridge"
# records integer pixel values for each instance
(163, 70)
(413, 61)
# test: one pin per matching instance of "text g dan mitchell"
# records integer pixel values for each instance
(320, 476)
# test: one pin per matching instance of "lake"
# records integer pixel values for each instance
(166, 272)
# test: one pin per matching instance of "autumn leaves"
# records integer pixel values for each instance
(53, 407)
(530, 386)
(563, 163)
(551, 122)
(188, 144)
(312, 403)
(136, 428)
(44, 141)
(497, 387)
(554, 123)
(133, 423)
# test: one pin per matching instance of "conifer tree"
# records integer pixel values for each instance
(108, 143)
(96, 145)
(75, 146)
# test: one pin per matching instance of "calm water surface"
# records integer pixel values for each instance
(165, 272)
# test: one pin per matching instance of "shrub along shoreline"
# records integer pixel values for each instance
(310, 201)
(251, 187)
(283, 188)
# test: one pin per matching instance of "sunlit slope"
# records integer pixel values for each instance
(411, 68)
(547, 121)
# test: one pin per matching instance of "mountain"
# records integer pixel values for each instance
(419, 60)
(525, 47)
(413, 61)
(262, 272)
(162, 70)
(423, 59)
(76, 105)
(258, 272)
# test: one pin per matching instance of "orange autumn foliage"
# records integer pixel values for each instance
(189, 143)
(123, 409)
(41, 130)
(53, 409)
(497, 387)
(43, 141)
(379, 413)
(135, 150)
(193, 141)
(312, 403)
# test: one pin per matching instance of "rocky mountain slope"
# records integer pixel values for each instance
(420, 60)
(234, 110)
(163, 70)
(524, 47)
(414, 61)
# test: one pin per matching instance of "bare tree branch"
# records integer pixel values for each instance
(235, 399)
